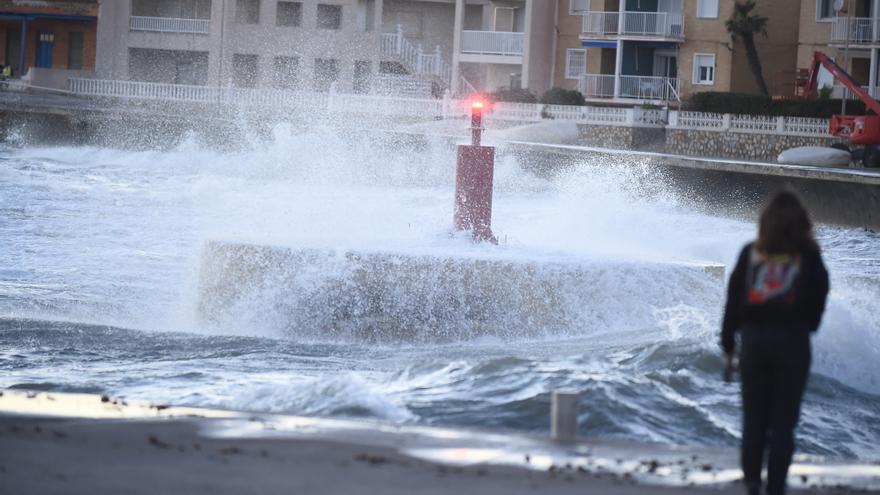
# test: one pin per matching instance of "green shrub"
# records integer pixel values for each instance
(561, 96)
(749, 104)
(514, 95)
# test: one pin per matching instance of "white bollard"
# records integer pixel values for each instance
(563, 415)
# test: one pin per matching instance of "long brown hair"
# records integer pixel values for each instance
(785, 226)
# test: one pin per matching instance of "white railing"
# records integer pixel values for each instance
(414, 58)
(839, 91)
(758, 124)
(649, 88)
(492, 42)
(597, 86)
(654, 24)
(857, 29)
(662, 24)
(601, 23)
(425, 108)
(170, 25)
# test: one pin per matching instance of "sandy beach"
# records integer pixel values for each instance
(71, 444)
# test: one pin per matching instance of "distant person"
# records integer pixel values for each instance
(775, 301)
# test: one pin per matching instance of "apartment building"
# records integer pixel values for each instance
(851, 36)
(461, 45)
(48, 35)
(243, 43)
(661, 51)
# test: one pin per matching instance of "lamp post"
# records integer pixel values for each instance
(838, 6)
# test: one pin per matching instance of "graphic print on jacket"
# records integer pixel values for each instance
(772, 278)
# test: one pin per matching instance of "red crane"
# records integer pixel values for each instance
(859, 129)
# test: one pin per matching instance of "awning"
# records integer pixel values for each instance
(36, 15)
(599, 44)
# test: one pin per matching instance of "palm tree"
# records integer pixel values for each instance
(743, 25)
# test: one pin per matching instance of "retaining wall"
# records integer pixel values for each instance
(737, 145)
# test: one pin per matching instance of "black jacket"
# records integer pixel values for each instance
(795, 304)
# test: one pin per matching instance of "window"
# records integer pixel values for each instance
(704, 68)
(289, 14)
(326, 73)
(504, 19)
(329, 16)
(286, 72)
(366, 11)
(247, 11)
(707, 9)
(575, 63)
(362, 73)
(75, 51)
(824, 9)
(244, 70)
(578, 7)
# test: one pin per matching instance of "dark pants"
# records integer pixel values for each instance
(774, 365)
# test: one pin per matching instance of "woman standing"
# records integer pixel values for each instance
(775, 300)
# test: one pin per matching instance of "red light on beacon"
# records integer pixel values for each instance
(476, 120)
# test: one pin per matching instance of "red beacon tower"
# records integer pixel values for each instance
(474, 173)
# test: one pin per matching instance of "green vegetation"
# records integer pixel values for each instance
(514, 95)
(762, 105)
(560, 96)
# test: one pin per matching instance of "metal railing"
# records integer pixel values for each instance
(634, 87)
(662, 24)
(602, 23)
(857, 29)
(597, 86)
(649, 24)
(170, 25)
(649, 88)
(414, 58)
(492, 42)
(840, 91)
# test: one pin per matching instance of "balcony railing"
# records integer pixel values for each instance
(857, 29)
(597, 86)
(649, 88)
(635, 87)
(602, 23)
(492, 42)
(170, 25)
(648, 24)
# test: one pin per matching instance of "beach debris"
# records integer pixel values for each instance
(59, 434)
(37, 429)
(104, 398)
(372, 459)
(154, 440)
(230, 450)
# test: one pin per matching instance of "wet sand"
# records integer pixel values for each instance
(180, 451)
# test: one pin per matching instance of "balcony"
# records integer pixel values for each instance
(663, 25)
(646, 88)
(170, 25)
(859, 30)
(499, 43)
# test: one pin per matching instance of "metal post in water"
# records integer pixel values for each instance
(563, 415)
(474, 173)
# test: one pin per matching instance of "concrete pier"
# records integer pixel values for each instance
(430, 296)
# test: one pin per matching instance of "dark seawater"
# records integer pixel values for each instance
(99, 258)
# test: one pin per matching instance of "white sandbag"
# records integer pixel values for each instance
(820, 156)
